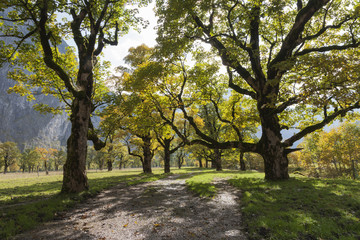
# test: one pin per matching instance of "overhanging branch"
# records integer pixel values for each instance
(290, 141)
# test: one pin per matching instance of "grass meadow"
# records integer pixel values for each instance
(301, 208)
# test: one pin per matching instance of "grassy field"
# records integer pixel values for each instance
(300, 208)
(27, 200)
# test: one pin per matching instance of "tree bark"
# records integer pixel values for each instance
(147, 154)
(270, 147)
(200, 163)
(217, 159)
(46, 167)
(6, 163)
(242, 162)
(75, 179)
(109, 161)
(167, 155)
(109, 165)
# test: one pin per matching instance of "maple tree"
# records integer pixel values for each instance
(332, 153)
(296, 61)
(9, 154)
(37, 30)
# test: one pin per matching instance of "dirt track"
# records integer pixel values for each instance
(163, 209)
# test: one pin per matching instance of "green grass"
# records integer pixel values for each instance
(300, 208)
(27, 200)
(201, 182)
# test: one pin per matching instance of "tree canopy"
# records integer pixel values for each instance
(297, 61)
(37, 31)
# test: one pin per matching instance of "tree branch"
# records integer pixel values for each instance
(226, 56)
(328, 48)
(238, 89)
(98, 143)
(293, 37)
(286, 104)
(48, 55)
(132, 153)
(290, 141)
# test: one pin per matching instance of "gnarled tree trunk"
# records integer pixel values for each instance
(167, 143)
(270, 147)
(217, 159)
(109, 161)
(75, 179)
(147, 154)
(6, 165)
(242, 162)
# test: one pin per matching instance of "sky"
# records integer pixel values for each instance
(115, 54)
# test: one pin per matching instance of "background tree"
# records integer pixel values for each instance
(9, 154)
(46, 156)
(351, 138)
(290, 60)
(59, 157)
(92, 25)
(200, 92)
(180, 157)
(141, 146)
(31, 158)
(132, 111)
(100, 158)
(334, 153)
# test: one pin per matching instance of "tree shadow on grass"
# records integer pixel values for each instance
(301, 208)
(38, 191)
(41, 202)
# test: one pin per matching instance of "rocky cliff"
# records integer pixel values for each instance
(20, 123)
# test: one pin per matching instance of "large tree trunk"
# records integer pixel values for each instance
(109, 165)
(109, 161)
(271, 149)
(75, 179)
(5, 163)
(217, 159)
(147, 154)
(200, 163)
(46, 167)
(167, 155)
(242, 162)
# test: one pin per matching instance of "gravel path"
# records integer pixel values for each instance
(163, 209)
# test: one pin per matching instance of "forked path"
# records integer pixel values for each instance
(163, 209)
